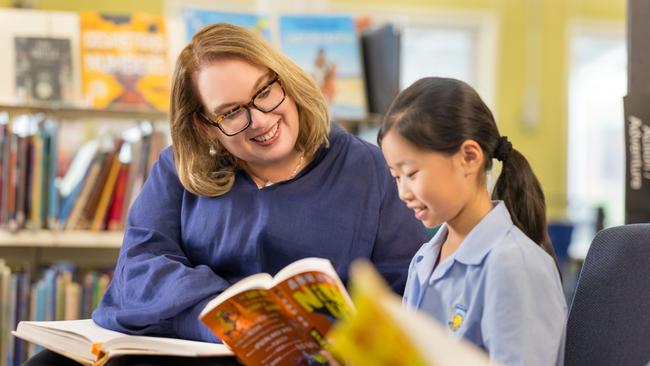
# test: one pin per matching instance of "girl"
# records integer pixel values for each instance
(489, 274)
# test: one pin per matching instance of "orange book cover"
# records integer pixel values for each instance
(281, 320)
(124, 60)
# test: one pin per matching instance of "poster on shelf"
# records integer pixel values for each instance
(637, 165)
(43, 69)
(124, 61)
(195, 19)
(327, 47)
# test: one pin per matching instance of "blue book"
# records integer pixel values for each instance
(67, 204)
(11, 321)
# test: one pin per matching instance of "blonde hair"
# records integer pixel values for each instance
(213, 176)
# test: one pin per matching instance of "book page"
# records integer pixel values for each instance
(84, 329)
(259, 330)
(74, 338)
(164, 346)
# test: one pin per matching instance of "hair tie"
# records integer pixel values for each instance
(503, 149)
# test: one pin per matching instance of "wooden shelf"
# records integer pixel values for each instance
(75, 112)
(61, 239)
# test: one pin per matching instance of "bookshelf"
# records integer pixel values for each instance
(65, 111)
(61, 239)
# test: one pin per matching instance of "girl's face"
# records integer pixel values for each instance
(270, 139)
(435, 186)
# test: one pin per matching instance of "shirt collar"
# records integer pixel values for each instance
(478, 243)
(485, 235)
(426, 257)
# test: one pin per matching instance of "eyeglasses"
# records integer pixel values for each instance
(236, 120)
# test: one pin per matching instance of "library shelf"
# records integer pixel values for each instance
(61, 239)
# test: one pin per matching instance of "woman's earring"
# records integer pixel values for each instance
(212, 151)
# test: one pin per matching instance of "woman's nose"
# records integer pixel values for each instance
(260, 119)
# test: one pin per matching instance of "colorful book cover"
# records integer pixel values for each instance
(124, 61)
(43, 70)
(282, 320)
(383, 333)
(327, 47)
(195, 19)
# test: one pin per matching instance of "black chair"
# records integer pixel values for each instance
(609, 320)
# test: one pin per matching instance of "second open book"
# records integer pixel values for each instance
(280, 320)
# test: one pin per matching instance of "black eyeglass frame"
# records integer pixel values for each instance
(216, 122)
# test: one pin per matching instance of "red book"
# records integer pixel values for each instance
(115, 221)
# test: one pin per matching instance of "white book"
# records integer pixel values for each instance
(88, 343)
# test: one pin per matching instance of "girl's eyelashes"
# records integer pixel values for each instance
(412, 174)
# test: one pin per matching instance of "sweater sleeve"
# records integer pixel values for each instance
(155, 289)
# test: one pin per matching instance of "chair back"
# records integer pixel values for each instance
(609, 320)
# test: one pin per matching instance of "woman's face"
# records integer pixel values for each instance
(270, 139)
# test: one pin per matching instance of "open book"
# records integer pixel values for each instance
(88, 343)
(383, 333)
(280, 320)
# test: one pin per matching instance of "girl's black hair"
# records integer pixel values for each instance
(439, 114)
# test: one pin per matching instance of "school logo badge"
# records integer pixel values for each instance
(457, 315)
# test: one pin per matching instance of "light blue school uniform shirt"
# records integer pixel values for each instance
(499, 290)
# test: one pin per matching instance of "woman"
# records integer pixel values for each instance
(256, 178)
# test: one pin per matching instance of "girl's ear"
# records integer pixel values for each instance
(203, 126)
(472, 157)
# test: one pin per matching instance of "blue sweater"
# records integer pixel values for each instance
(180, 249)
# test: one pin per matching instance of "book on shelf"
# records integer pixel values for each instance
(88, 343)
(43, 69)
(383, 333)
(280, 320)
(115, 76)
(83, 184)
(5, 138)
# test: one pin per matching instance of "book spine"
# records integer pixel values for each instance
(106, 194)
(115, 210)
(12, 321)
(49, 184)
(36, 182)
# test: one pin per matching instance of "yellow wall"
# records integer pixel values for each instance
(110, 6)
(533, 61)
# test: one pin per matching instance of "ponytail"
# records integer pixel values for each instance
(522, 194)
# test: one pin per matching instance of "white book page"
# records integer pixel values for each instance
(165, 346)
(305, 265)
(312, 264)
(85, 328)
(73, 338)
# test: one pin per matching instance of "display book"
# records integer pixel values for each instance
(281, 320)
(88, 343)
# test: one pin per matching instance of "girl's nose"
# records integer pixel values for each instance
(404, 192)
